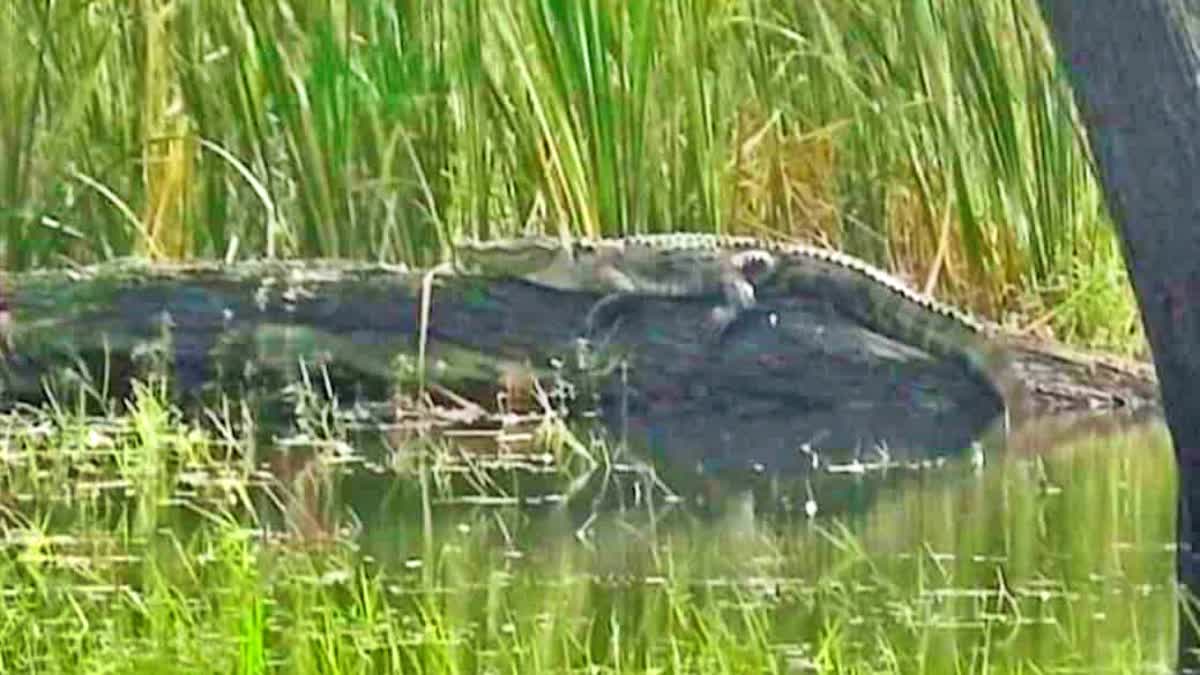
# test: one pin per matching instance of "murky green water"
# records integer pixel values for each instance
(136, 546)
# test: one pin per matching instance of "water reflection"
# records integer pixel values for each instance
(392, 550)
(1060, 557)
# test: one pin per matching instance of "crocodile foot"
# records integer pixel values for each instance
(719, 322)
(605, 312)
(724, 320)
(608, 310)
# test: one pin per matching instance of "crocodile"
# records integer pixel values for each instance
(675, 265)
(733, 267)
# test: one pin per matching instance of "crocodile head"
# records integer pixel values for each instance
(508, 257)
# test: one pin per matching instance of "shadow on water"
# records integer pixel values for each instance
(349, 545)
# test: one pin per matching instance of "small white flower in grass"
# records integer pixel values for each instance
(333, 577)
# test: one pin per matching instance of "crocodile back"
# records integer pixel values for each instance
(886, 305)
(872, 297)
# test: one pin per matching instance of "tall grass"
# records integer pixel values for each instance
(933, 138)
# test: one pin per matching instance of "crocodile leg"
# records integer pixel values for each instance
(739, 272)
(622, 289)
(739, 298)
(601, 313)
(734, 287)
(608, 310)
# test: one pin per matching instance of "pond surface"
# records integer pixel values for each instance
(139, 544)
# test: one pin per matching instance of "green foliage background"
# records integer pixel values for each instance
(934, 138)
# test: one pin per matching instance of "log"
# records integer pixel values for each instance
(793, 378)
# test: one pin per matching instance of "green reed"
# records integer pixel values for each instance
(934, 138)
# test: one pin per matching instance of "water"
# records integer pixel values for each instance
(136, 542)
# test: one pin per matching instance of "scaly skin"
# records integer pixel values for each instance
(685, 265)
(867, 294)
(886, 305)
(664, 265)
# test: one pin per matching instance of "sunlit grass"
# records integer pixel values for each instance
(933, 138)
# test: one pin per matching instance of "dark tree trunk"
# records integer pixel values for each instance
(1133, 66)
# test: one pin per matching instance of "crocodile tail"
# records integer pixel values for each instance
(882, 304)
(945, 337)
